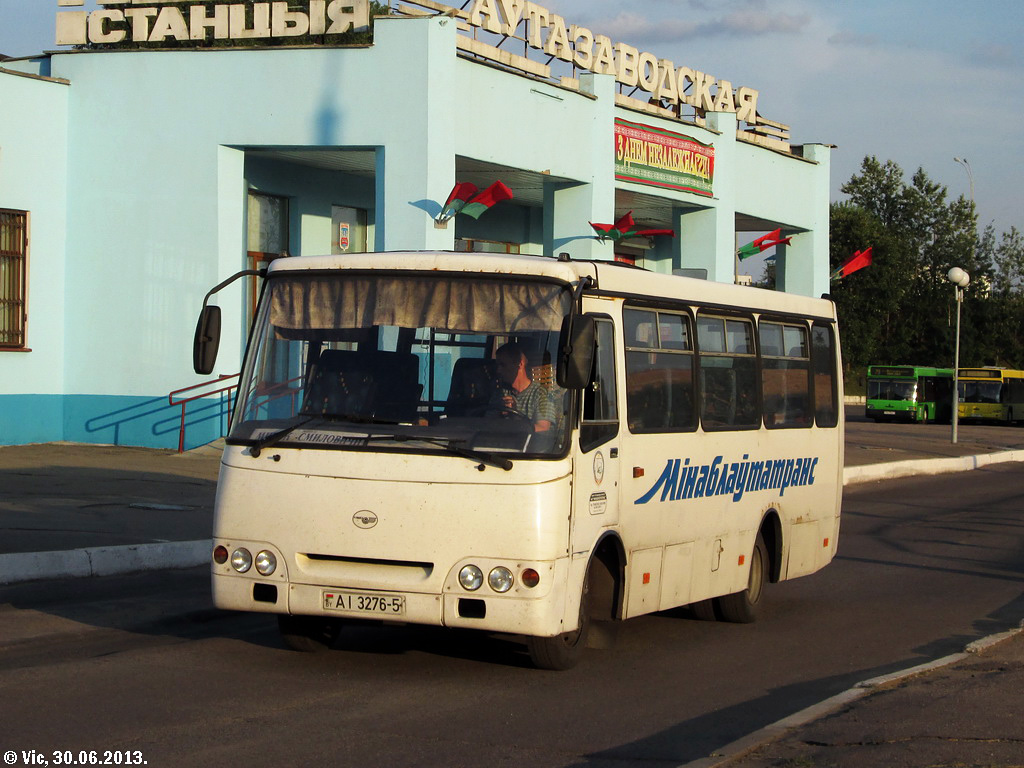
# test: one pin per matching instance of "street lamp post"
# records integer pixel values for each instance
(960, 279)
(970, 174)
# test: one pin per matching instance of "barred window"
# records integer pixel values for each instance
(13, 278)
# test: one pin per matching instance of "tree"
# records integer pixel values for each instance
(1002, 314)
(900, 310)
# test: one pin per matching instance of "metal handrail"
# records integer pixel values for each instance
(185, 401)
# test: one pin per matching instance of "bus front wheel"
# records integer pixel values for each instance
(309, 634)
(563, 651)
(742, 607)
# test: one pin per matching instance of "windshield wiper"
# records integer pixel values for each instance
(448, 444)
(275, 437)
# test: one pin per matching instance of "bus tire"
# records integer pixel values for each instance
(309, 634)
(703, 610)
(563, 651)
(742, 607)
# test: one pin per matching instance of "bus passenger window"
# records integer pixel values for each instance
(785, 375)
(659, 371)
(823, 360)
(600, 407)
(728, 373)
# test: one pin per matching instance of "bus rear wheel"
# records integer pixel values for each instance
(742, 607)
(309, 634)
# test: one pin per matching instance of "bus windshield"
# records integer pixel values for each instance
(405, 362)
(980, 391)
(888, 389)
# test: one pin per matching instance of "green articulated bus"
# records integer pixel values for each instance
(909, 393)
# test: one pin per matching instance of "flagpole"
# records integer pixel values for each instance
(735, 257)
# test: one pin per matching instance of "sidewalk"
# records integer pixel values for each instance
(960, 711)
(90, 510)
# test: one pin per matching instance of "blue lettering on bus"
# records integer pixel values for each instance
(682, 480)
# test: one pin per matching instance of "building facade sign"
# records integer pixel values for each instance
(579, 46)
(660, 158)
(146, 21)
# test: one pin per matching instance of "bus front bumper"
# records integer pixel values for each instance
(481, 609)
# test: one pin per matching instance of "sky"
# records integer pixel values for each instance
(918, 82)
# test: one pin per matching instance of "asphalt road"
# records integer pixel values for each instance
(144, 664)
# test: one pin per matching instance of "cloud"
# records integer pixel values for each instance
(994, 56)
(630, 26)
(747, 19)
(757, 22)
(847, 39)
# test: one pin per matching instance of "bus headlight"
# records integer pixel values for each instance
(266, 563)
(241, 560)
(500, 579)
(471, 577)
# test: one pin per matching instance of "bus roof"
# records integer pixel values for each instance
(609, 278)
(989, 373)
(908, 371)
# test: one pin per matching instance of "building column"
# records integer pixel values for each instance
(415, 170)
(232, 198)
(803, 266)
(568, 210)
(413, 181)
(569, 207)
(707, 236)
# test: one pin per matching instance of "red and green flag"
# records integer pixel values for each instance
(626, 228)
(487, 199)
(859, 260)
(461, 194)
(763, 243)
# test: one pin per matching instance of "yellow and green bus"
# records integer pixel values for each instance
(991, 394)
(909, 393)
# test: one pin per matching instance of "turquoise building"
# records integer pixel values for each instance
(132, 180)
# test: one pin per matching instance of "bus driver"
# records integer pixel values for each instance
(521, 394)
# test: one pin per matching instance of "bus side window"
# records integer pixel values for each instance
(728, 373)
(823, 362)
(785, 375)
(600, 408)
(659, 371)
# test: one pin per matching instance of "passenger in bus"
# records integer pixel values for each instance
(521, 394)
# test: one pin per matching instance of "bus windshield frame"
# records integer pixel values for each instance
(404, 362)
(896, 390)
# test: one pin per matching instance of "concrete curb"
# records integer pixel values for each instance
(770, 733)
(102, 561)
(893, 469)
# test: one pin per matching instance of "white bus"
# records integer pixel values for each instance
(378, 465)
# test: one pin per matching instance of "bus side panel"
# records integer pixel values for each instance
(691, 519)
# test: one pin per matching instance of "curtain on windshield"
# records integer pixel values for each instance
(477, 305)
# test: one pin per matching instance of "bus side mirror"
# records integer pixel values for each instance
(576, 351)
(207, 340)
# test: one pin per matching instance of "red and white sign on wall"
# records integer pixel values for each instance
(661, 158)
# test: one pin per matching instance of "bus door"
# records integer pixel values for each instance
(597, 465)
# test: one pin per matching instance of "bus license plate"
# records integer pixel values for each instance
(888, 413)
(364, 603)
